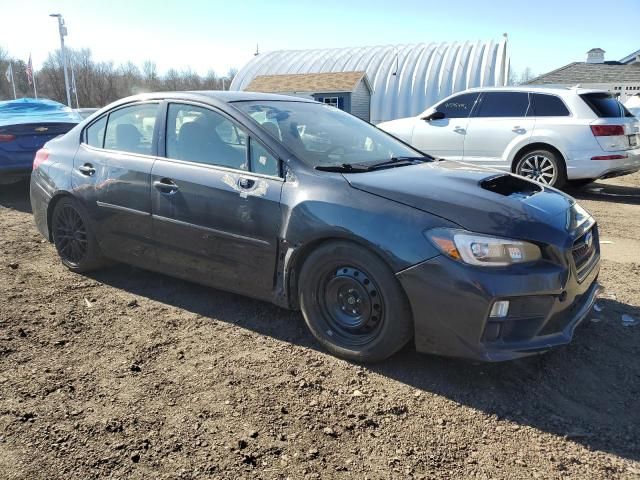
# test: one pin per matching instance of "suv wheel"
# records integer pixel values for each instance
(543, 166)
(353, 304)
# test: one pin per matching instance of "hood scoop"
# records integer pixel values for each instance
(511, 186)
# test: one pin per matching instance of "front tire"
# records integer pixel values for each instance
(73, 237)
(353, 304)
(543, 166)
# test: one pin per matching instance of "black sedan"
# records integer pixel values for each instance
(303, 205)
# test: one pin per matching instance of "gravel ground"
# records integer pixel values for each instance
(131, 374)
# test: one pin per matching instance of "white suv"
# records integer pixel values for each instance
(548, 134)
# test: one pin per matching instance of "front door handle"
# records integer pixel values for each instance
(246, 183)
(166, 186)
(459, 130)
(87, 169)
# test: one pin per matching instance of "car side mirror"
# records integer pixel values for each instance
(433, 116)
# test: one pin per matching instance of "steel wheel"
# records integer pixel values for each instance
(70, 235)
(353, 305)
(352, 302)
(539, 168)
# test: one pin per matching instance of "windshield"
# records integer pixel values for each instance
(323, 136)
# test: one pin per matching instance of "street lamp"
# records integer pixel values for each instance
(62, 29)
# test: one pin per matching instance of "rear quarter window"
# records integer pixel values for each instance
(605, 106)
(94, 134)
(548, 106)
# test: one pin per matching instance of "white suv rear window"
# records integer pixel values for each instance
(605, 106)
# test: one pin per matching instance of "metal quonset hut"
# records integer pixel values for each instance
(406, 79)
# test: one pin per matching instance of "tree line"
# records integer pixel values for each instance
(100, 83)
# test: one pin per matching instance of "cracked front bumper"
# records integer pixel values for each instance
(451, 303)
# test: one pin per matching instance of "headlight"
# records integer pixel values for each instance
(482, 250)
(576, 216)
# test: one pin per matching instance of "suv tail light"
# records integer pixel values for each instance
(7, 137)
(607, 130)
(41, 156)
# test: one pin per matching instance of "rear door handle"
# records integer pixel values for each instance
(459, 130)
(166, 186)
(87, 169)
(518, 129)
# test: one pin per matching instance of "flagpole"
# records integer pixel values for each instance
(75, 88)
(35, 90)
(13, 84)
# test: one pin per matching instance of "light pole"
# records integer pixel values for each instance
(62, 29)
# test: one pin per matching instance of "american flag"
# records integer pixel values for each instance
(29, 71)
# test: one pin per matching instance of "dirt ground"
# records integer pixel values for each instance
(131, 374)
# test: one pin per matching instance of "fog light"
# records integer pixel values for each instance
(500, 309)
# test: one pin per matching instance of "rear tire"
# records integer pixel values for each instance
(353, 304)
(543, 166)
(73, 237)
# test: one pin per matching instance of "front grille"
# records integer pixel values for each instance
(584, 252)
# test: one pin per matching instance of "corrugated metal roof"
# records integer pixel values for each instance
(333, 82)
(580, 72)
(404, 79)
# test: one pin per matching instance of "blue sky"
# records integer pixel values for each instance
(204, 35)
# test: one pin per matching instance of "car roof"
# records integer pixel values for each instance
(558, 90)
(216, 95)
(31, 110)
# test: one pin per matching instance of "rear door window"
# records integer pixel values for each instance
(503, 104)
(547, 106)
(130, 129)
(605, 106)
(459, 106)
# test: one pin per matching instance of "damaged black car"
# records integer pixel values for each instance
(301, 204)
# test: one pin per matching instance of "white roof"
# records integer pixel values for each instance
(540, 88)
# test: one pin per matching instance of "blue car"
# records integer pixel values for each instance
(25, 126)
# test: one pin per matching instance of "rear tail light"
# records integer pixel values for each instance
(41, 156)
(7, 137)
(607, 130)
(609, 157)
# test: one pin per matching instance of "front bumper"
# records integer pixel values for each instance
(451, 303)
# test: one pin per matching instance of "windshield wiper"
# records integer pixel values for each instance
(343, 168)
(367, 167)
(398, 162)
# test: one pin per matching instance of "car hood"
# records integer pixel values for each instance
(478, 199)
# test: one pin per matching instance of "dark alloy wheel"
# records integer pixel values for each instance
(73, 238)
(353, 304)
(70, 235)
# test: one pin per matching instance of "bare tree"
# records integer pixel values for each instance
(99, 83)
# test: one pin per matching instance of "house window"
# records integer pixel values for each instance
(333, 101)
